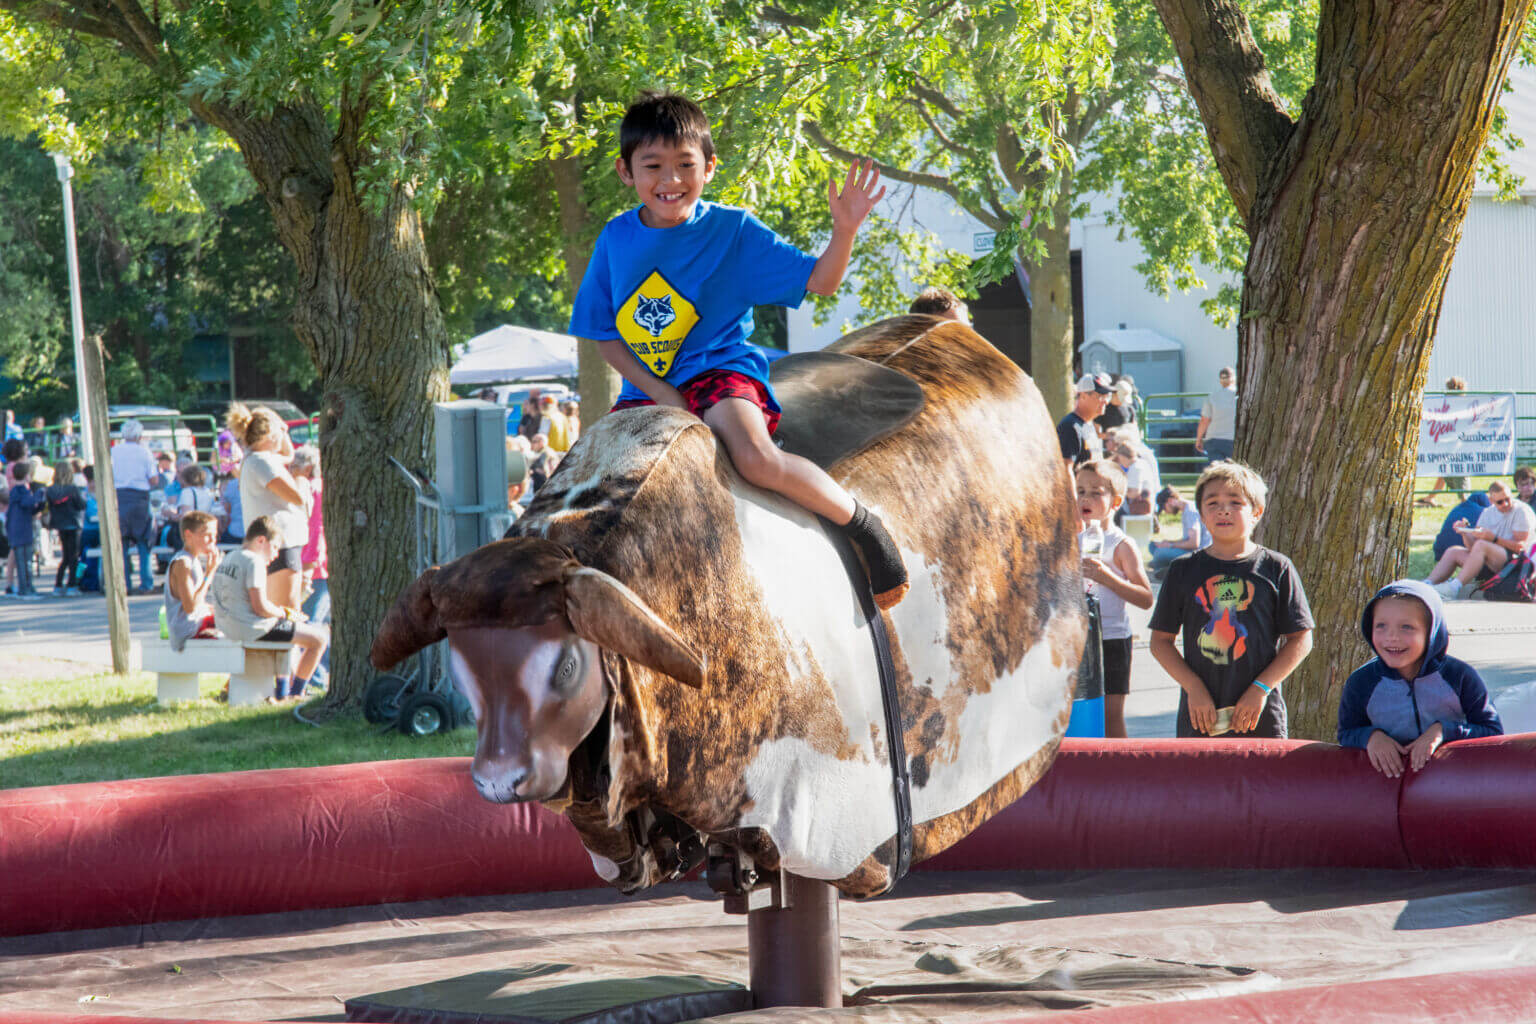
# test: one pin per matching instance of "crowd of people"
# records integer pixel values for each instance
(259, 501)
(1240, 612)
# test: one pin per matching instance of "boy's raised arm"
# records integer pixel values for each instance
(850, 205)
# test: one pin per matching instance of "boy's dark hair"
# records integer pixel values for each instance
(1163, 495)
(1524, 473)
(935, 301)
(89, 472)
(22, 470)
(196, 520)
(666, 117)
(261, 526)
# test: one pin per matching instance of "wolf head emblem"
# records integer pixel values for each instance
(654, 314)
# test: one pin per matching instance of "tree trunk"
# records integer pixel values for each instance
(597, 381)
(1050, 296)
(368, 314)
(1354, 220)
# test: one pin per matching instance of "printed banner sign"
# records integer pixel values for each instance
(1467, 435)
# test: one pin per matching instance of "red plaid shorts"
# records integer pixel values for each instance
(707, 389)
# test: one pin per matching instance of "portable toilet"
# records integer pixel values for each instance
(1154, 360)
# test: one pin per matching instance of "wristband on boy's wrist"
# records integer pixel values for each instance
(1267, 689)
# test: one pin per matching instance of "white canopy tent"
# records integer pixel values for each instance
(510, 353)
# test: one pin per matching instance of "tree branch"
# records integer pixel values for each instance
(1244, 118)
(59, 17)
(937, 182)
(932, 95)
(933, 126)
(141, 29)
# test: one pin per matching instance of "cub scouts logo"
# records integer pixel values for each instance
(654, 321)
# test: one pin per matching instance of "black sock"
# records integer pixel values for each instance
(887, 572)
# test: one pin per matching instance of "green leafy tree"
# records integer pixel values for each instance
(1352, 205)
(336, 111)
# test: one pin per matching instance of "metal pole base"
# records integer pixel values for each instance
(793, 950)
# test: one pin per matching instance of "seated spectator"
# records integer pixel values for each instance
(66, 515)
(555, 428)
(1525, 484)
(188, 612)
(943, 303)
(165, 472)
(1405, 625)
(1501, 530)
(1465, 512)
(242, 611)
(541, 462)
(1142, 482)
(192, 496)
(571, 410)
(1192, 536)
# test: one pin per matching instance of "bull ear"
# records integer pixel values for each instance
(609, 614)
(410, 625)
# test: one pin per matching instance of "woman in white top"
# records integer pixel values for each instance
(268, 489)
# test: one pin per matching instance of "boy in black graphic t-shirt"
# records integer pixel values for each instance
(1241, 610)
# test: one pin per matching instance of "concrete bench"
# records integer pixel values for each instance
(252, 667)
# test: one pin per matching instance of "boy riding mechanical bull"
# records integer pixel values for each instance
(669, 636)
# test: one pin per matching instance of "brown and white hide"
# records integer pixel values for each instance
(787, 736)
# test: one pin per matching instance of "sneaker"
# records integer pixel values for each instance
(31, 595)
(1450, 589)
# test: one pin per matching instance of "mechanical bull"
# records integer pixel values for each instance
(676, 659)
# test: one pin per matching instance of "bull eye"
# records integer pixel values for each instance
(566, 671)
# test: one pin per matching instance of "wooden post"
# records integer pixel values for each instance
(114, 579)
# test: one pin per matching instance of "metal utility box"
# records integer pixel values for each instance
(1154, 360)
(471, 474)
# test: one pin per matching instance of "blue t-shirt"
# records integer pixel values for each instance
(681, 298)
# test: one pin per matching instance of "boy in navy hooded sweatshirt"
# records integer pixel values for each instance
(1412, 696)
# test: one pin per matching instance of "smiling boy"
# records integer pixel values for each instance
(1242, 612)
(668, 297)
(1413, 696)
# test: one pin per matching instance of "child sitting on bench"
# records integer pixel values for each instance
(187, 611)
(243, 612)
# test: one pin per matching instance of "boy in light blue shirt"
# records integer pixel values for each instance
(668, 296)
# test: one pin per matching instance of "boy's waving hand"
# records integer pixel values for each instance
(852, 203)
(849, 205)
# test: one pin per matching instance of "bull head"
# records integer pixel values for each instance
(525, 623)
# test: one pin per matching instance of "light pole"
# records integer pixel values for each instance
(76, 313)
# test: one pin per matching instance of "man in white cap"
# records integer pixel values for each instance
(1078, 436)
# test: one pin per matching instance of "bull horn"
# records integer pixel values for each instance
(606, 612)
(410, 625)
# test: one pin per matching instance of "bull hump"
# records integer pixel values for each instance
(605, 471)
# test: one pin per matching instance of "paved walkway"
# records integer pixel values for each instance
(1499, 640)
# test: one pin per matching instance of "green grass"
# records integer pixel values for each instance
(101, 727)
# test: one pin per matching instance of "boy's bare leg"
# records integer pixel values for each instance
(1448, 564)
(761, 463)
(739, 425)
(1114, 715)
